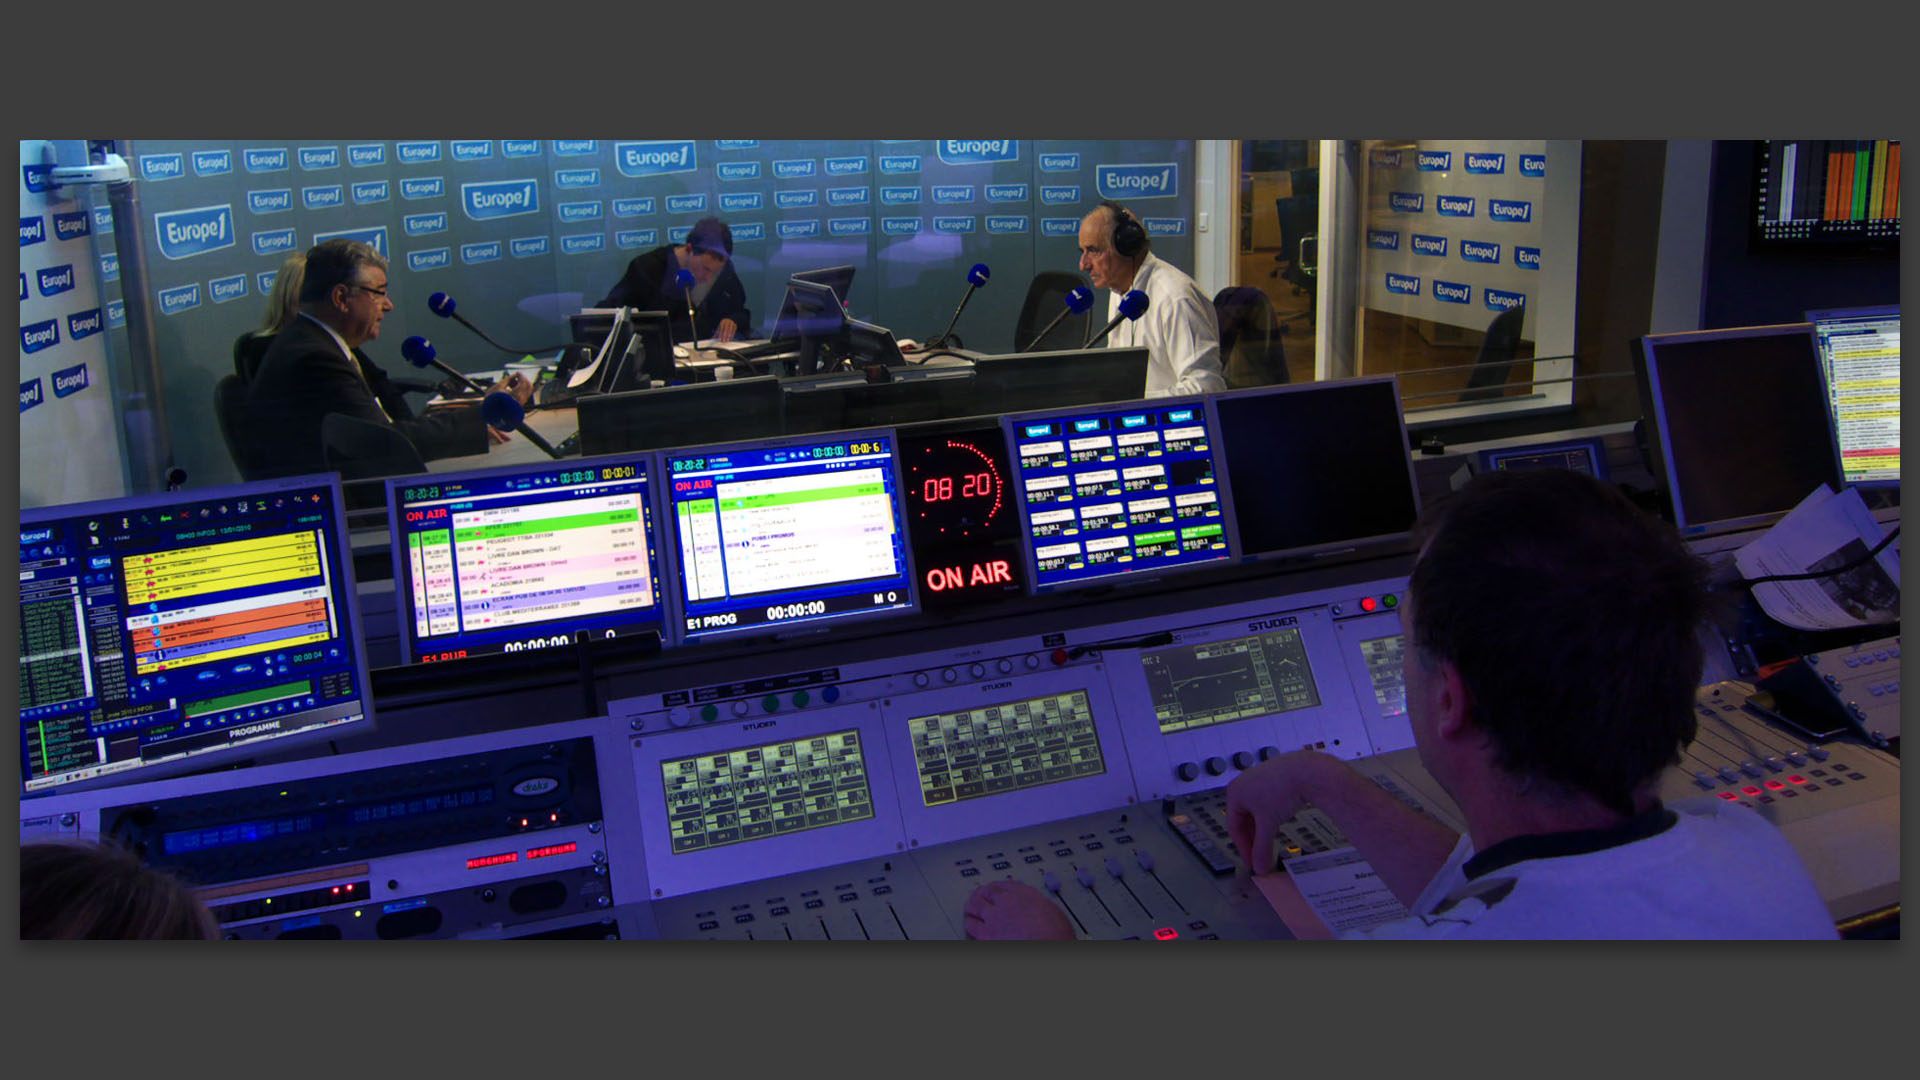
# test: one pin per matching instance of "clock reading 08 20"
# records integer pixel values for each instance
(750, 793)
(995, 748)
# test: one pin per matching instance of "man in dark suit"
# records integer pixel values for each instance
(719, 299)
(315, 367)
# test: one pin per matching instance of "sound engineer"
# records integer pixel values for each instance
(1179, 328)
(1550, 665)
(718, 299)
(315, 367)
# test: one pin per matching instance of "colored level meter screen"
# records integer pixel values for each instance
(996, 748)
(1383, 670)
(1219, 682)
(1114, 493)
(755, 792)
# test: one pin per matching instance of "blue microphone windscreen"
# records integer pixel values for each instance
(501, 411)
(683, 278)
(441, 304)
(418, 351)
(979, 274)
(1079, 300)
(1132, 304)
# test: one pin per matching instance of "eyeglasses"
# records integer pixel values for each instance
(368, 288)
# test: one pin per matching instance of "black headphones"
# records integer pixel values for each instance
(1129, 239)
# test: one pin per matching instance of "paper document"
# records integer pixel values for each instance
(1824, 532)
(1343, 890)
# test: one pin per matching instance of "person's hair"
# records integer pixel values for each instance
(283, 303)
(1571, 616)
(710, 234)
(71, 890)
(1128, 237)
(338, 261)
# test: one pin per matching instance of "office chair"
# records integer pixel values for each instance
(1045, 297)
(362, 450)
(1491, 367)
(230, 409)
(248, 351)
(1297, 221)
(1251, 353)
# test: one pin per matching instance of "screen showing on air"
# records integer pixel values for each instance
(773, 789)
(501, 562)
(153, 631)
(1118, 491)
(994, 748)
(1218, 682)
(794, 533)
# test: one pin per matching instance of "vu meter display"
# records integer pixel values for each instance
(985, 751)
(1382, 655)
(1117, 491)
(1218, 682)
(493, 562)
(964, 527)
(159, 631)
(750, 793)
(793, 532)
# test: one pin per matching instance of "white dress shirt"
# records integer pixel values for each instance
(1179, 329)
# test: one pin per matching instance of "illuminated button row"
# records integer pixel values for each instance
(771, 703)
(1370, 604)
(1002, 666)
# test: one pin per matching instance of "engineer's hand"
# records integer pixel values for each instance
(726, 330)
(1014, 911)
(1261, 798)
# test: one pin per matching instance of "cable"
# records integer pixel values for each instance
(1861, 561)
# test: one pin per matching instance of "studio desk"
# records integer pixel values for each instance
(575, 794)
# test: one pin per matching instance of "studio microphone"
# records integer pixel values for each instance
(684, 278)
(421, 353)
(503, 413)
(1131, 305)
(444, 306)
(976, 277)
(1078, 302)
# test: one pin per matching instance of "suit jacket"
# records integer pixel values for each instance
(303, 377)
(648, 285)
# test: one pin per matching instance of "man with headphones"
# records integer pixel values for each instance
(1178, 327)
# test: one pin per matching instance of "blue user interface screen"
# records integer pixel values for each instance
(795, 533)
(505, 562)
(1118, 491)
(160, 629)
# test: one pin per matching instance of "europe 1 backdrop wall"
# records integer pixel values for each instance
(523, 232)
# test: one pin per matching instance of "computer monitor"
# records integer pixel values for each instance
(162, 634)
(837, 278)
(1315, 469)
(630, 354)
(1737, 423)
(691, 415)
(849, 402)
(1118, 491)
(515, 559)
(1019, 382)
(813, 319)
(1860, 357)
(788, 533)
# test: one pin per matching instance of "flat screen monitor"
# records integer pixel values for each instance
(691, 415)
(1019, 382)
(961, 514)
(162, 634)
(1317, 468)
(523, 558)
(1860, 357)
(812, 317)
(1841, 194)
(1739, 428)
(634, 352)
(1117, 492)
(837, 278)
(790, 532)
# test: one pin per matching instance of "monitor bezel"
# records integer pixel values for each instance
(1654, 411)
(1333, 547)
(1817, 318)
(1122, 579)
(348, 598)
(797, 627)
(402, 567)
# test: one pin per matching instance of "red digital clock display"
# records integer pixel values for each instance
(962, 524)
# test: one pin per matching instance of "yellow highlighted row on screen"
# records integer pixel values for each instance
(165, 576)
